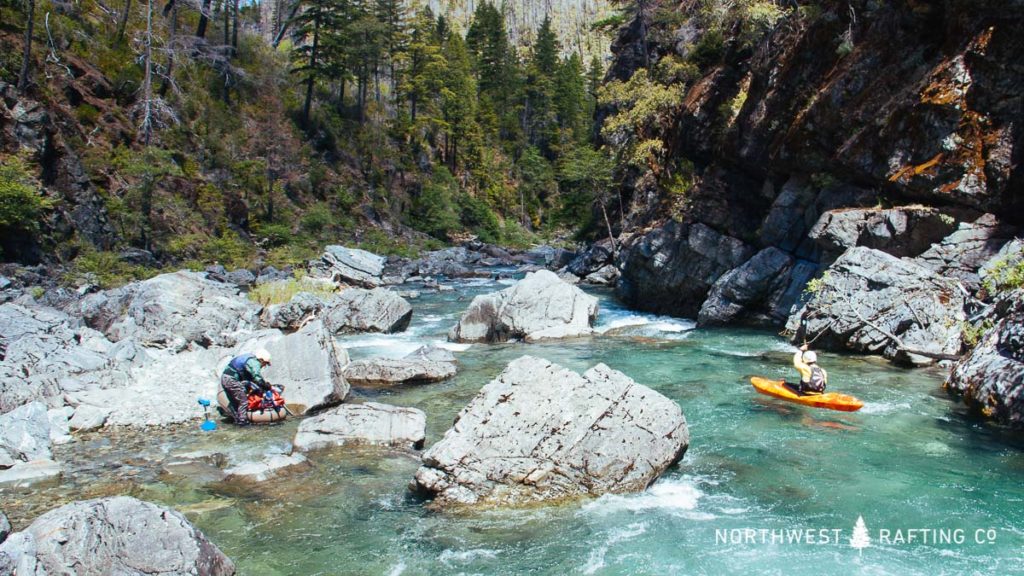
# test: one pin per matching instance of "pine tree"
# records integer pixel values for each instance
(458, 98)
(571, 102)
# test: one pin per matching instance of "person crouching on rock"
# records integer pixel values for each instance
(243, 374)
(813, 378)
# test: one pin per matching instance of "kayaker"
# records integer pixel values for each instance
(813, 378)
(242, 375)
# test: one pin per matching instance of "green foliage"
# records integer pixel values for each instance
(87, 114)
(434, 210)
(972, 333)
(281, 291)
(316, 219)
(228, 250)
(709, 49)
(585, 179)
(816, 285)
(1005, 274)
(21, 199)
(476, 215)
(642, 106)
(105, 269)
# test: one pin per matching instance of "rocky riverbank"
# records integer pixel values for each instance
(139, 356)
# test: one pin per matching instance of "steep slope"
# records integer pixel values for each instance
(778, 115)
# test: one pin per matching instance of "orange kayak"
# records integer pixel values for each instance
(832, 400)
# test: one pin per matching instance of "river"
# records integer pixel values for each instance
(766, 487)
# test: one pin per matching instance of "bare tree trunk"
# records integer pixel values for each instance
(230, 52)
(204, 12)
(122, 24)
(147, 80)
(284, 26)
(26, 59)
(171, 34)
(609, 224)
(234, 28)
(147, 123)
(312, 72)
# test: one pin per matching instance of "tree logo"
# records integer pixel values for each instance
(860, 539)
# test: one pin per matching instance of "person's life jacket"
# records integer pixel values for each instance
(817, 382)
(238, 365)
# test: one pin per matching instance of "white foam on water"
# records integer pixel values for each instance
(678, 497)
(453, 346)
(449, 556)
(392, 347)
(507, 281)
(397, 569)
(597, 555)
(653, 322)
(884, 407)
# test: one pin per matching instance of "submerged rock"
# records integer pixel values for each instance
(369, 423)
(538, 307)
(991, 377)
(426, 364)
(542, 432)
(119, 535)
(377, 310)
(869, 301)
(270, 467)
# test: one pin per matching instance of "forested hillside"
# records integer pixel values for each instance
(142, 135)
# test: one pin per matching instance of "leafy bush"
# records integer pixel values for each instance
(229, 250)
(274, 234)
(433, 210)
(316, 219)
(1007, 273)
(21, 200)
(105, 269)
(281, 291)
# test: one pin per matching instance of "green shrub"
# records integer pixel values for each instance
(433, 210)
(87, 114)
(1007, 273)
(274, 234)
(105, 269)
(281, 291)
(21, 200)
(228, 250)
(316, 219)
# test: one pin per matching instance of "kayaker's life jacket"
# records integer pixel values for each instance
(237, 365)
(817, 383)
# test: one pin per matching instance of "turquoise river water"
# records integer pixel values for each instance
(765, 488)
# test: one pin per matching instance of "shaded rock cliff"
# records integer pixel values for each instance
(908, 113)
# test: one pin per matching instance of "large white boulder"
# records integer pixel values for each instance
(369, 423)
(540, 306)
(542, 432)
(119, 535)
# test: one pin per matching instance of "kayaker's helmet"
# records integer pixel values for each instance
(810, 357)
(262, 355)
